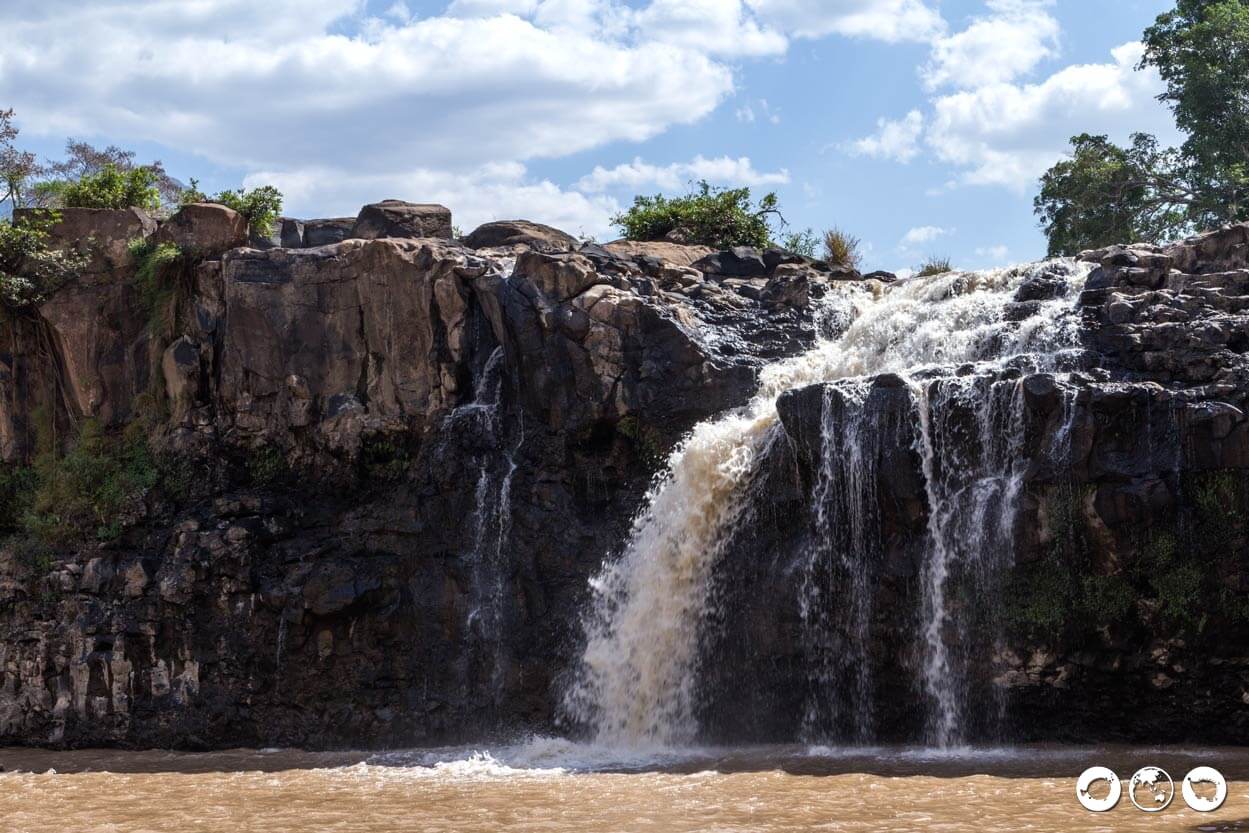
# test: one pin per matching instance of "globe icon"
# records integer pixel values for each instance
(1151, 789)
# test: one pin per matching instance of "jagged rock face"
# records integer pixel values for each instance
(103, 235)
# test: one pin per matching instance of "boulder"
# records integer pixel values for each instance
(558, 277)
(674, 253)
(738, 262)
(206, 229)
(396, 218)
(292, 233)
(103, 235)
(327, 232)
(507, 233)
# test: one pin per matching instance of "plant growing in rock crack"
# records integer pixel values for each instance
(154, 280)
(934, 266)
(841, 249)
(804, 243)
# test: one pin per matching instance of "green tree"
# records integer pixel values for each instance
(1201, 50)
(29, 268)
(17, 167)
(114, 187)
(1107, 194)
(716, 217)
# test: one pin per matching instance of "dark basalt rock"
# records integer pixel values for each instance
(739, 262)
(396, 218)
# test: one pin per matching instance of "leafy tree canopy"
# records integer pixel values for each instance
(1106, 193)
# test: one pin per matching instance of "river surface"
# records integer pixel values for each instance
(551, 785)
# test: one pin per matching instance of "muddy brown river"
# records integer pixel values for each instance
(553, 786)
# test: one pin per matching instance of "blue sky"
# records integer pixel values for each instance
(918, 125)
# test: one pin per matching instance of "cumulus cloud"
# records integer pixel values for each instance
(894, 139)
(996, 254)
(923, 234)
(887, 20)
(1002, 46)
(639, 174)
(1008, 134)
(339, 103)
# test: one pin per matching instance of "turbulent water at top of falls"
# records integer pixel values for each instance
(637, 680)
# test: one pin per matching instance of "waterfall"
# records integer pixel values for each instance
(846, 523)
(636, 682)
(492, 515)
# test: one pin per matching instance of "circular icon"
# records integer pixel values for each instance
(1156, 787)
(1204, 775)
(1090, 777)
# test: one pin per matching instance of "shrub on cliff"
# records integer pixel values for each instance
(260, 206)
(841, 249)
(716, 217)
(29, 269)
(934, 266)
(113, 187)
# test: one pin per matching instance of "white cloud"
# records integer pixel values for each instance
(715, 27)
(494, 192)
(1008, 134)
(887, 20)
(1009, 42)
(894, 139)
(997, 254)
(639, 174)
(923, 234)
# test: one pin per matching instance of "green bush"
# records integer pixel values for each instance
(841, 249)
(261, 206)
(716, 217)
(29, 268)
(151, 279)
(17, 487)
(113, 187)
(88, 487)
(266, 466)
(934, 266)
(803, 243)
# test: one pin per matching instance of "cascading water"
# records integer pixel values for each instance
(637, 679)
(492, 516)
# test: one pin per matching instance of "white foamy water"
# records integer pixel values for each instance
(637, 681)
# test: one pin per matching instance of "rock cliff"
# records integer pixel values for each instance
(381, 468)
(381, 464)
